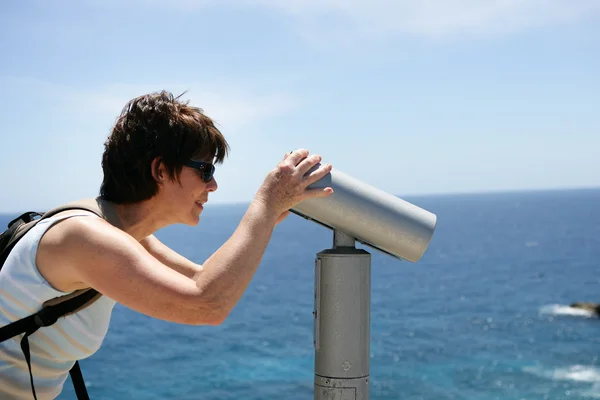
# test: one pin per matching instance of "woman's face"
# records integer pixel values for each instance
(186, 198)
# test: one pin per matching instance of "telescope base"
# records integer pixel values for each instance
(341, 389)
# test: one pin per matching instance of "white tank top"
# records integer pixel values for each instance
(54, 349)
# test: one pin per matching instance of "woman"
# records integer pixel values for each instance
(158, 168)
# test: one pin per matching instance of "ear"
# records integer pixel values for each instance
(158, 170)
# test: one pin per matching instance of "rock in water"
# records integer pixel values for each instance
(594, 308)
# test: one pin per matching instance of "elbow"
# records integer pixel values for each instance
(216, 320)
(210, 313)
(201, 318)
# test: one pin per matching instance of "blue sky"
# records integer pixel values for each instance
(414, 97)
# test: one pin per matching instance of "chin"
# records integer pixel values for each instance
(190, 219)
(192, 223)
(193, 220)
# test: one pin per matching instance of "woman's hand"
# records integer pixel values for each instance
(287, 184)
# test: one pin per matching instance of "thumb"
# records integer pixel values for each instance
(319, 192)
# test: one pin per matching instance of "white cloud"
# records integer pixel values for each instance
(230, 108)
(426, 18)
(432, 18)
(435, 19)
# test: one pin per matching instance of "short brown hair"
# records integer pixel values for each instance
(155, 125)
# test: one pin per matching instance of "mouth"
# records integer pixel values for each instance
(200, 204)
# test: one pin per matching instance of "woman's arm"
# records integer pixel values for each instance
(170, 257)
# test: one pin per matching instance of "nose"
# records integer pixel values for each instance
(212, 185)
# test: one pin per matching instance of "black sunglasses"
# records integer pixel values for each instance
(206, 170)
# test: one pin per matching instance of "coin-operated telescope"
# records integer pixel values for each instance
(359, 212)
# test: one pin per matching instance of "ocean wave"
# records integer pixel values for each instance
(582, 374)
(574, 373)
(559, 309)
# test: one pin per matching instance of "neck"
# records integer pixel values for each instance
(139, 219)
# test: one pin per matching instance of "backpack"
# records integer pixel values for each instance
(55, 308)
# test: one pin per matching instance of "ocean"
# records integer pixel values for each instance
(483, 315)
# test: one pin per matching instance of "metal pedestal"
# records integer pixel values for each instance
(342, 321)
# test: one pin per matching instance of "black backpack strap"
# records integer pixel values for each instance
(25, 218)
(45, 317)
(78, 383)
(75, 372)
(25, 349)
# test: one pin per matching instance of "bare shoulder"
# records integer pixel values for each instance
(72, 240)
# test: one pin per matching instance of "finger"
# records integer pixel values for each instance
(296, 156)
(317, 174)
(309, 162)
